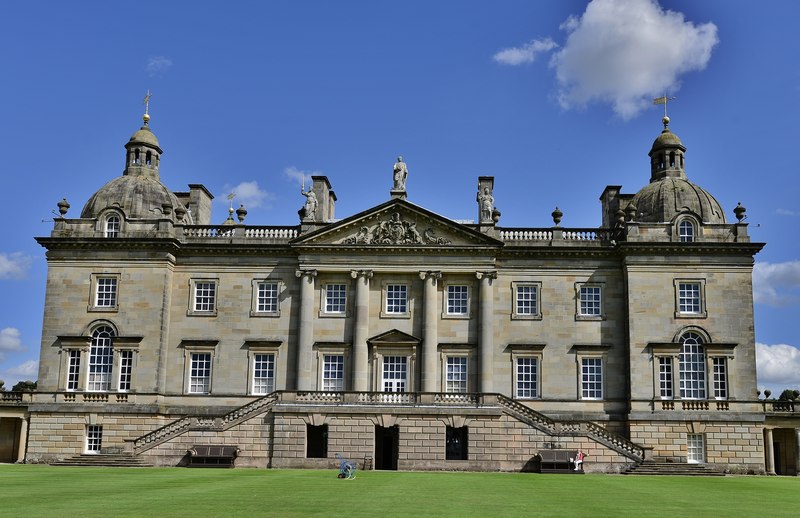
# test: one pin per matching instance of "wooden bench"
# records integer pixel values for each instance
(558, 461)
(211, 456)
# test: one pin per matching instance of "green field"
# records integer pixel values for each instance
(31, 490)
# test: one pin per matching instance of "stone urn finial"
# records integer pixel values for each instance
(557, 214)
(630, 212)
(63, 207)
(740, 211)
(495, 215)
(620, 215)
(767, 393)
(241, 213)
(180, 213)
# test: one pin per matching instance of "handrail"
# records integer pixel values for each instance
(594, 431)
(247, 232)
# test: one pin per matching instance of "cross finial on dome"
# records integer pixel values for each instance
(146, 116)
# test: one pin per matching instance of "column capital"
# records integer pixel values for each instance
(429, 274)
(355, 274)
(301, 273)
(486, 275)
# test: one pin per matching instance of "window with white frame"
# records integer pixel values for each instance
(335, 298)
(333, 372)
(200, 373)
(695, 448)
(396, 299)
(395, 370)
(526, 300)
(456, 374)
(686, 231)
(101, 360)
(205, 296)
(690, 298)
(665, 377)
(105, 292)
(591, 378)
(125, 370)
(527, 377)
(112, 226)
(94, 438)
(692, 361)
(590, 301)
(263, 373)
(457, 299)
(720, 377)
(267, 297)
(73, 369)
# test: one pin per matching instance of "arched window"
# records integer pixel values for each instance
(686, 231)
(136, 159)
(112, 226)
(692, 367)
(672, 159)
(101, 359)
(148, 158)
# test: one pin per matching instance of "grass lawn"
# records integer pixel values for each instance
(38, 490)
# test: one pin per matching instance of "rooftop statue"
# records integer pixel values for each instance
(400, 173)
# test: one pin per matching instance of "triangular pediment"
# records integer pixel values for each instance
(393, 336)
(398, 223)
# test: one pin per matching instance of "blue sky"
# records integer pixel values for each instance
(551, 97)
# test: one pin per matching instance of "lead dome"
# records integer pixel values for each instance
(669, 192)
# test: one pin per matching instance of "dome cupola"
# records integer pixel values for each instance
(669, 192)
(143, 152)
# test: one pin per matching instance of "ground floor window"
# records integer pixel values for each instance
(263, 373)
(695, 448)
(527, 377)
(316, 441)
(94, 438)
(591, 378)
(333, 372)
(200, 374)
(394, 373)
(456, 442)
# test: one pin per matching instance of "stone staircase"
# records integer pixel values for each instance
(650, 467)
(108, 460)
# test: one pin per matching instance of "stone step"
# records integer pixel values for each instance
(672, 468)
(104, 460)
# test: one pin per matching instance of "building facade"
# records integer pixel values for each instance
(400, 336)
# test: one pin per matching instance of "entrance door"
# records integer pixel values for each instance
(395, 369)
(387, 440)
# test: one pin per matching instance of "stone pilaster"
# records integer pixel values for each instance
(430, 332)
(797, 452)
(486, 326)
(768, 447)
(305, 333)
(23, 439)
(361, 330)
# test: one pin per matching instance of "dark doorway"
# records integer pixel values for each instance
(456, 441)
(778, 458)
(316, 441)
(387, 440)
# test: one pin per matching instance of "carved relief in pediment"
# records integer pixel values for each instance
(395, 231)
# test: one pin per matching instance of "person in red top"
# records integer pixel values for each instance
(579, 461)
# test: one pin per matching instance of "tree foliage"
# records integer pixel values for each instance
(789, 395)
(24, 386)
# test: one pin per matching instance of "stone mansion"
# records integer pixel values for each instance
(398, 336)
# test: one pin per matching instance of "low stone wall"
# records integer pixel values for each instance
(734, 447)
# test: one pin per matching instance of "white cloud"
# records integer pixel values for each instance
(9, 339)
(625, 52)
(248, 194)
(776, 284)
(14, 265)
(300, 176)
(524, 54)
(27, 370)
(778, 367)
(786, 212)
(157, 65)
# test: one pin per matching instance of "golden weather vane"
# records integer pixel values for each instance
(147, 102)
(664, 100)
